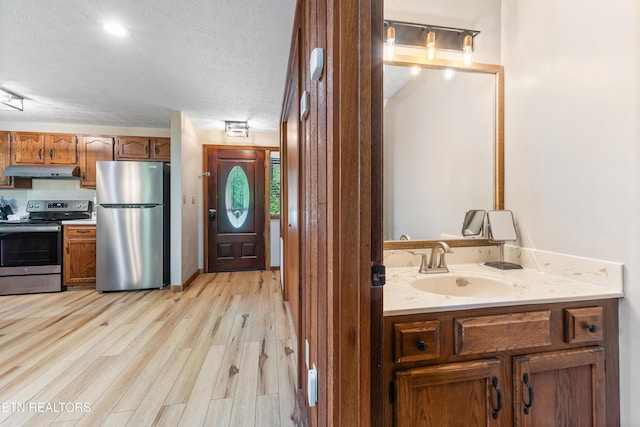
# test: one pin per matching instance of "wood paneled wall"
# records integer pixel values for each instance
(339, 184)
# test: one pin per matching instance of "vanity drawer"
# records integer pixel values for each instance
(583, 324)
(416, 341)
(483, 334)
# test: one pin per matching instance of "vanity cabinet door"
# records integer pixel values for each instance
(562, 388)
(454, 394)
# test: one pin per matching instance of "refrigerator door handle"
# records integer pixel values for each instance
(212, 214)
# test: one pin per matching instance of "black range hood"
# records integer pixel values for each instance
(35, 171)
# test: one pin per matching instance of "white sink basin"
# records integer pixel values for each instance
(464, 285)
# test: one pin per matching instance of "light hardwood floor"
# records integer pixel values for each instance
(222, 353)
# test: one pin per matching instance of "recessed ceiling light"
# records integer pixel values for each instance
(116, 29)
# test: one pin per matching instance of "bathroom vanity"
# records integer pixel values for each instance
(500, 348)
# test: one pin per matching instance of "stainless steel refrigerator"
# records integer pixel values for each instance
(132, 220)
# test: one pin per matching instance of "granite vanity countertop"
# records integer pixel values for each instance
(529, 287)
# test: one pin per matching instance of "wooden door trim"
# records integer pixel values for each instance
(205, 203)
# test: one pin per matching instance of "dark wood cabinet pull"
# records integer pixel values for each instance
(67, 248)
(527, 406)
(422, 346)
(51, 154)
(496, 410)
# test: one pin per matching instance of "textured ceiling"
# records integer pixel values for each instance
(214, 60)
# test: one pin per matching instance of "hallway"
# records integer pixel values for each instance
(221, 353)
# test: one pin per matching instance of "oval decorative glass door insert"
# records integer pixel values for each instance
(237, 196)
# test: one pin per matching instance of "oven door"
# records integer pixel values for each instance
(30, 246)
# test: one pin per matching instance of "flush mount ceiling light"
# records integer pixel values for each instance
(115, 29)
(431, 37)
(236, 129)
(9, 101)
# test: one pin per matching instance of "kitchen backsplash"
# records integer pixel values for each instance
(47, 189)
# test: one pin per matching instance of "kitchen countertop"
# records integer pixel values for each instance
(91, 221)
(530, 286)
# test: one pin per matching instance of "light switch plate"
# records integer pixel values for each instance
(316, 63)
(312, 386)
(304, 105)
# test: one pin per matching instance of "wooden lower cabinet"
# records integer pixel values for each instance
(79, 259)
(562, 388)
(509, 366)
(453, 394)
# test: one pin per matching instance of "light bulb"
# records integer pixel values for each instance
(467, 49)
(391, 42)
(431, 44)
(415, 70)
(449, 74)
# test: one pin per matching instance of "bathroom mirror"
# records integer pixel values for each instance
(473, 224)
(443, 142)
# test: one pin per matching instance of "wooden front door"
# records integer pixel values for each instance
(235, 212)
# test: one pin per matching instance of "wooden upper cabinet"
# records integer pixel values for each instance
(39, 149)
(61, 149)
(93, 149)
(5, 160)
(162, 149)
(5, 181)
(27, 148)
(133, 148)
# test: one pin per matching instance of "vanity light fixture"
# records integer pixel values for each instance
(424, 36)
(415, 70)
(9, 101)
(391, 42)
(240, 129)
(431, 44)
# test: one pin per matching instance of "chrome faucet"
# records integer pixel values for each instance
(437, 263)
(441, 266)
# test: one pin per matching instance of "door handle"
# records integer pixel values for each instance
(212, 214)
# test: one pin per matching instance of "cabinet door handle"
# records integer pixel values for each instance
(84, 176)
(40, 154)
(494, 381)
(67, 248)
(422, 346)
(51, 154)
(527, 406)
(592, 328)
(82, 231)
(146, 150)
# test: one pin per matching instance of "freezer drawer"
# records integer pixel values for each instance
(129, 248)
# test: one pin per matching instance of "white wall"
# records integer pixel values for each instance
(573, 142)
(186, 200)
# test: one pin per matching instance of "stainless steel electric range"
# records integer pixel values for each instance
(31, 249)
